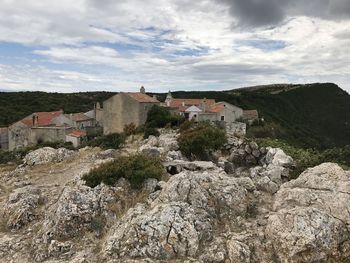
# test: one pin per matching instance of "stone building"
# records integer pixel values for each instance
(76, 137)
(4, 140)
(125, 108)
(81, 120)
(204, 109)
(37, 128)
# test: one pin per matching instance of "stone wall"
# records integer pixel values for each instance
(121, 110)
(4, 140)
(19, 136)
(48, 134)
(236, 129)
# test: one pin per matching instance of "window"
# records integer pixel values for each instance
(222, 118)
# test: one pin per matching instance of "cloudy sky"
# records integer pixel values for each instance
(86, 45)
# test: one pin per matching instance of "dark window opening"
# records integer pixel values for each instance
(222, 118)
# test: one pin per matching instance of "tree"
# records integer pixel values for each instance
(200, 141)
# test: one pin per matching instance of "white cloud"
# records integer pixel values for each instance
(175, 44)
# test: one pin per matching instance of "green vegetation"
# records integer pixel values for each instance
(201, 140)
(306, 158)
(113, 140)
(135, 168)
(308, 116)
(148, 131)
(159, 117)
(130, 129)
(16, 156)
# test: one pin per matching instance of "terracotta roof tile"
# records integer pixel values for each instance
(183, 104)
(216, 108)
(77, 133)
(44, 118)
(80, 116)
(141, 97)
(250, 114)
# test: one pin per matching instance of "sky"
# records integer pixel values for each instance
(116, 45)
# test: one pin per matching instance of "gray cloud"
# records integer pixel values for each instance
(253, 13)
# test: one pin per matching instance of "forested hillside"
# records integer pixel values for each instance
(314, 115)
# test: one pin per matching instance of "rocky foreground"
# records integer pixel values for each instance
(242, 208)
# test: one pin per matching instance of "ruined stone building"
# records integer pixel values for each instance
(125, 108)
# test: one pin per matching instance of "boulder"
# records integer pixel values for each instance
(165, 232)
(20, 207)
(47, 155)
(277, 157)
(312, 219)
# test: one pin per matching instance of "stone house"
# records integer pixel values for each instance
(250, 116)
(76, 137)
(81, 120)
(4, 140)
(125, 108)
(204, 109)
(37, 128)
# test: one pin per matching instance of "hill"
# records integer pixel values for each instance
(313, 115)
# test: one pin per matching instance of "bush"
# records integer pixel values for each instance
(186, 125)
(136, 169)
(113, 140)
(130, 129)
(201, 140)
(159, 117)
(150, 131)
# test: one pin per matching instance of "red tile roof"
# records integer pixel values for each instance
(44, 118)
(80, 116)
(218, 107)
(77, 133)
(250, 114)
(178, 103)
(141, 97)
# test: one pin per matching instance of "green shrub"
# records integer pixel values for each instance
(113, 140)
(130, 129)
(136, 169)
(186, 125)
(159, 117)
(150, 131)
(201, 140)
(265, 130)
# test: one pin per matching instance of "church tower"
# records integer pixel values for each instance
(168, 98)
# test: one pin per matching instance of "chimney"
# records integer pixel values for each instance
(142, 90)
(183, 104)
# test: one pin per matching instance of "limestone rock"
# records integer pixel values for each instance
(277, 157)
(19, 210)
(47, 155)
(164, 232)
(238, 251)
(306, 235)
(168, 141)
(311, 222)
